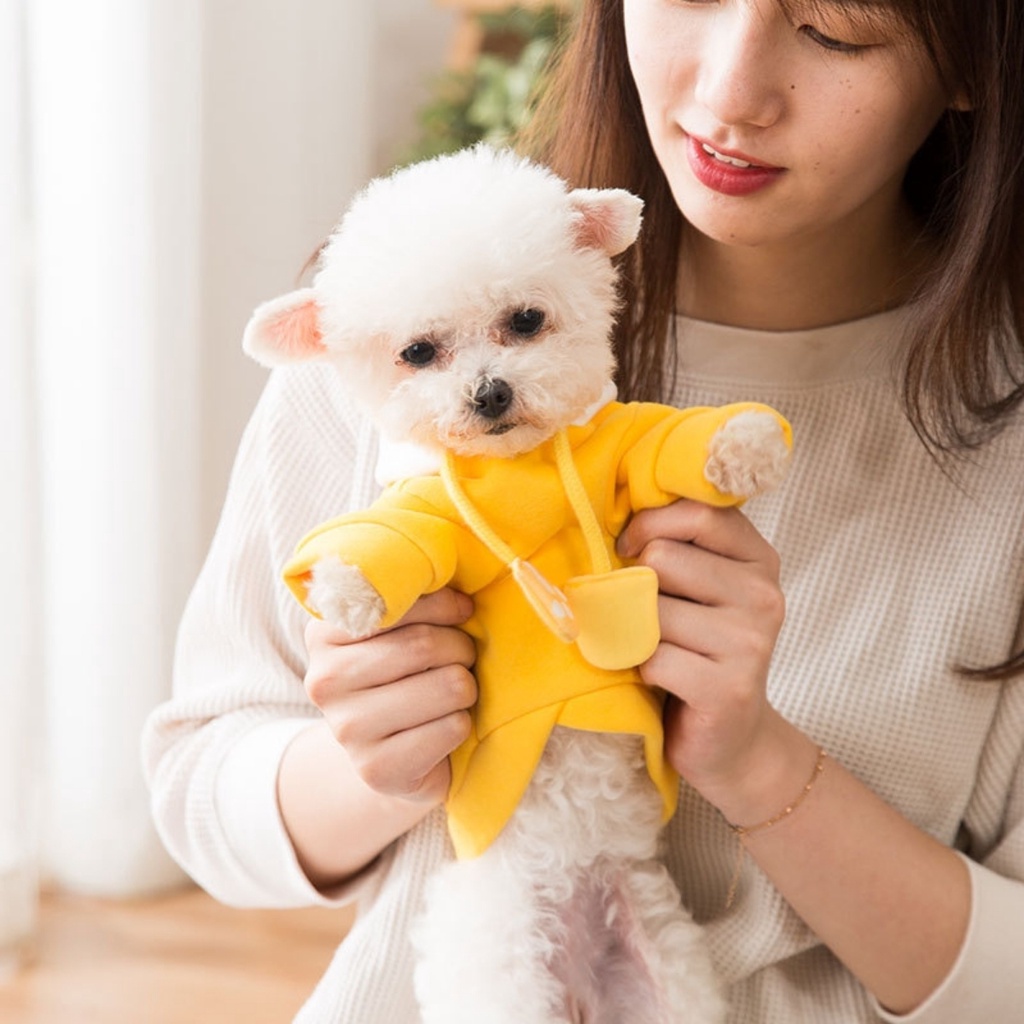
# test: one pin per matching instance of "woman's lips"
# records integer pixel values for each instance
(727, 173)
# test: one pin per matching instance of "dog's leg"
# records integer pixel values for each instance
(632, 953)
(748, 455)
(662, 945)
(345, 597)
(608, 979)
(569, 918)
(483, 948)
(627, 948)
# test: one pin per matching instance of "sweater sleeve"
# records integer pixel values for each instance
(212, 751)
(987, 983)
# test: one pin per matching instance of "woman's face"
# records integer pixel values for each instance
(773, 128)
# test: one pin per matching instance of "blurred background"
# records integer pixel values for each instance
(165, 165)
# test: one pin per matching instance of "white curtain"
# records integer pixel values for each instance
(164, 166)
(113, 112)
(20, 684)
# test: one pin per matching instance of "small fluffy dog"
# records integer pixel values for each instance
(467, 303)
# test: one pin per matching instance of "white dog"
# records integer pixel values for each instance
(467, 303)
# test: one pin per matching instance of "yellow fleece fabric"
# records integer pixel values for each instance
(412, 541)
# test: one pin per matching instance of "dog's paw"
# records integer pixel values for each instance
(748, 455)
(344, 597)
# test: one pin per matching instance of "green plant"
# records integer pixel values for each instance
(492, 100)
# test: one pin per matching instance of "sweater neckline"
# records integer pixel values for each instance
(852, 350)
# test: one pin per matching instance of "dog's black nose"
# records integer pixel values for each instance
(492, 399)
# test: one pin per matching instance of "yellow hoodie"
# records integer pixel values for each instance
(413, 541)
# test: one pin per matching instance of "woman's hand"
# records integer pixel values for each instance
(721, 609)
(398, 701)
(891, 902)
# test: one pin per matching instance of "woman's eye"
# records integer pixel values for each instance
(419, 353)
(527, 322)
(828, 43)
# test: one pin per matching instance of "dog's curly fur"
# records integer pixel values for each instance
(585, 923)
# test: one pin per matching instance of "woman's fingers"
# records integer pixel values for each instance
(427, 637)
(445, 607)
(386, 658)
(398, 701)
(687, 571)
(710, 559)
(372, 715)
(724, 531)
(399, 736)
(414, 763)
(744, 631)
(720, 609)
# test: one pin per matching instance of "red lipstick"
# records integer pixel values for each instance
(725, 176)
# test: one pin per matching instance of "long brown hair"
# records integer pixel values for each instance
(964, 374)
(589, 128)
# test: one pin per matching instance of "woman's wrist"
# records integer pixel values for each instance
(336, 823)
(745, 831)
(773, 774)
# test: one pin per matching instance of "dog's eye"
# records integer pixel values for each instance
(527, 322)
(419, 353)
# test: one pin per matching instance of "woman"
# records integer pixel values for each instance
(833, 226)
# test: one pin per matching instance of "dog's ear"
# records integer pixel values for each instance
(285, 330)
(607, 218)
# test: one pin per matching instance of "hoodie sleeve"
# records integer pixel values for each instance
(668, 461)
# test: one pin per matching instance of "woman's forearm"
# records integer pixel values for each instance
(337, 824)
(890, 901)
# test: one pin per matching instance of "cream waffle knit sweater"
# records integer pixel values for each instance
(894, 572)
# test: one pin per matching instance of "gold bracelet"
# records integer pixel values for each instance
(742, 831)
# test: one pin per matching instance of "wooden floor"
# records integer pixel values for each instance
(179, 959)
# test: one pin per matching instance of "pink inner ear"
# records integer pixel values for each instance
(605, 219)
(296, 331)
(596, 228)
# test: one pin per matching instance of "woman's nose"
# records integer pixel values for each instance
(739, 75)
